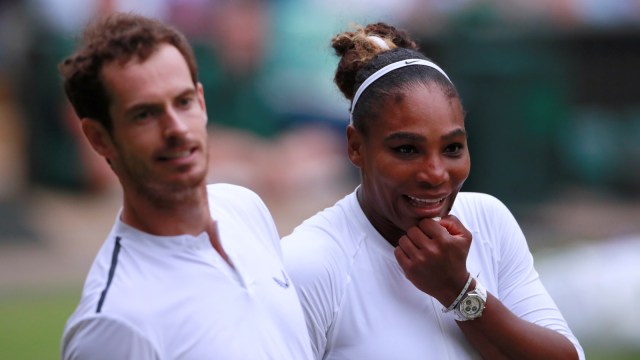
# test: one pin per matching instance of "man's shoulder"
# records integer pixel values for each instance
(239, 204)
(226, 190)
(232, 196)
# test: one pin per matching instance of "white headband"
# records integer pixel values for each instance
(382, 72)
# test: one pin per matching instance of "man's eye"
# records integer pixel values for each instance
(185, 102)
(142, 115)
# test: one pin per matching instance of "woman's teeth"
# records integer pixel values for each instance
(425, 202)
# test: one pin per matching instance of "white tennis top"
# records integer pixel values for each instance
(174, 297)
(359, 305)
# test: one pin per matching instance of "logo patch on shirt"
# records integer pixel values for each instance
(283, 284)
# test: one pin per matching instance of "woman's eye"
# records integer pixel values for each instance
(405, 149)
(454, 149)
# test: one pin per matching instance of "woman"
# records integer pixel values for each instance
(391, 271)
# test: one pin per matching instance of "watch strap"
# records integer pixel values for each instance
(462, 293)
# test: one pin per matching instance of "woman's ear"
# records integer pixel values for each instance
(98, 137)
(354, 146)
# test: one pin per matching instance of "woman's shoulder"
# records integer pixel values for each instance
(331, 223)
(481, 211)
(478, 201)
(329, 234)
(319, 253)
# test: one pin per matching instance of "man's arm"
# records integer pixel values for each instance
(101, 338)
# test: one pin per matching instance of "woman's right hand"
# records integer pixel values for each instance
(433, 255)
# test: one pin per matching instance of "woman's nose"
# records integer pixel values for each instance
(432, 171)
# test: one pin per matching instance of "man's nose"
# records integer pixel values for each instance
(174, 124)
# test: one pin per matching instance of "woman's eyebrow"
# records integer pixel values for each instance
(403, 135)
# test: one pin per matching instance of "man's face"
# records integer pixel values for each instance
(413, 160)
(158, 145)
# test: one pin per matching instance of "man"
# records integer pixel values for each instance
(188, 271)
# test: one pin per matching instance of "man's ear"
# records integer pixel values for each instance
(98, 137)
(354, 146)
(201, 97)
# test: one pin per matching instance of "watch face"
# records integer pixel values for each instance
(471, 306)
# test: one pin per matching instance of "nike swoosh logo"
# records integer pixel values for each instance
(284, 284)
(408, 62)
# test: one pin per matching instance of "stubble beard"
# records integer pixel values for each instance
(164, 194)
(168, 196)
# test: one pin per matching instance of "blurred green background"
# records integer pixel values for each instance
(553, 115)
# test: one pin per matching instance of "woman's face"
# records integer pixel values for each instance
(413, 159)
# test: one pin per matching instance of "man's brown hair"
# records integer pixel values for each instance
(116, 37)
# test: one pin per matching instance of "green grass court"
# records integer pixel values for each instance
(31, 325)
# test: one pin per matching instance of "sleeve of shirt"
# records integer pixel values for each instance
(314, 267)
(103, 338)
(268, 224)
(259, 216)
(520, 287)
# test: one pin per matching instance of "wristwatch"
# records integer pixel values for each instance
(472, 304)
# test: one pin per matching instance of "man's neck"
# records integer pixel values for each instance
(188, 214)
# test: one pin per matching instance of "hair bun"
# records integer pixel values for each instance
(357, 47)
